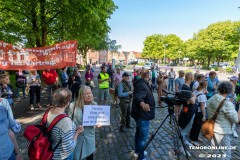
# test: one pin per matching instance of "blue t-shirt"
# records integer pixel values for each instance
(6, 123)
(179, 81)
(210, 87)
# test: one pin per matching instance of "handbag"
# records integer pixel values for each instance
(208, 126)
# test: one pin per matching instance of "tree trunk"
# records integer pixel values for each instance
(84, 51)
(218, 59)
(208, 61)
(35, 25)
(43, 22)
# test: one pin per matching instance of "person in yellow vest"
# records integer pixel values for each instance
(103, 81)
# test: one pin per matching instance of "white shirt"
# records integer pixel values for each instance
(195, 86)
(171, 74)
(201, 98)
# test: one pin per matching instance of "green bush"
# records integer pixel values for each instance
(229, 70)
(188, 70)
(206, 67)
(141, 64)
(215, 68)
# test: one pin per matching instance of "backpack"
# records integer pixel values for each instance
(191, 85)
(188, 110)
(39, 138)
(21, 82)
(197, 104)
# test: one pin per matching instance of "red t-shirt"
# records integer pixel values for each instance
(50, 77)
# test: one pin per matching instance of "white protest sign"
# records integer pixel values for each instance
(96, 115)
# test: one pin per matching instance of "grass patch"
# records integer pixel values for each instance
(188, 70)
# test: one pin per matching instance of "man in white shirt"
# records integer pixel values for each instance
(171, 77)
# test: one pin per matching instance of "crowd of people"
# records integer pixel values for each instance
(68, 94)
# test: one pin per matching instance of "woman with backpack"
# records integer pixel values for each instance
(85, 146)
(201, 100)
(65, 131)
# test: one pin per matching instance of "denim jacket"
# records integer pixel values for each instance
(6, 123)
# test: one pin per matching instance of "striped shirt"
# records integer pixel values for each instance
(64, 130)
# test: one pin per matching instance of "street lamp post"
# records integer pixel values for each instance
(164, 48)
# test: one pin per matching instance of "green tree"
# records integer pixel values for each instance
(155, 46)
(38, 23)
(174, 45)
(217, 42)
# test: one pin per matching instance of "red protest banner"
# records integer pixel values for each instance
(55, 56)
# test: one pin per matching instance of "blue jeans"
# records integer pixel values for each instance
(170, 84)
(70, 157)
(49, 91)
(141, 136)
(23, 91)
(13, 157)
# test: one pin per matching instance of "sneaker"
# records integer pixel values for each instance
(235, 135)
(195, 143)
(200, 140)
(133, 155)
(39, 106)
(31, 107)
(145, 153)
(183, 152)
(187, 143)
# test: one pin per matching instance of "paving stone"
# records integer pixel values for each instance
(114, 145)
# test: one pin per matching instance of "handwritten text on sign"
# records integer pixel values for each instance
(96, 115)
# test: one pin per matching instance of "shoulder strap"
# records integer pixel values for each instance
(199, 94)
(55, 121)
(218, 109)
(44, 119)
(74, 107)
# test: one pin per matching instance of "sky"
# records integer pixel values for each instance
(134, 20)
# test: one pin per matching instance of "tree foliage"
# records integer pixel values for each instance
(37, 23)
(155, 46)
(218, 42)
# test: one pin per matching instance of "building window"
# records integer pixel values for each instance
(22, 57)
(14, 57)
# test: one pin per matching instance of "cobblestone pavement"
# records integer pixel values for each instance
(114, 145)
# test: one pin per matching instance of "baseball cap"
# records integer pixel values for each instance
(125, 74)
(233, 78)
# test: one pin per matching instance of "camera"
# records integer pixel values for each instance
(178, 98)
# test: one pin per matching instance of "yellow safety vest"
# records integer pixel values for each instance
(104, 84)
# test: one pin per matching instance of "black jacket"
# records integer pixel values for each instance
(142, 93)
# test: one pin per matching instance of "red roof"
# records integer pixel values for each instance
(137, 55)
